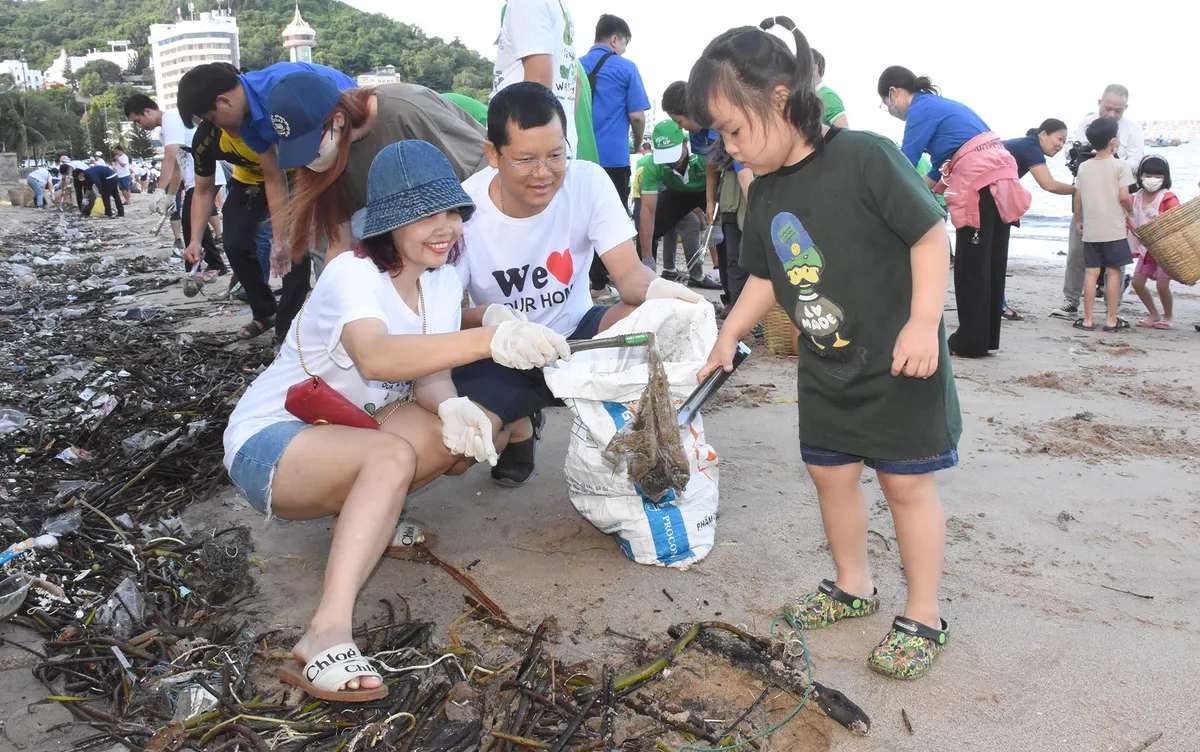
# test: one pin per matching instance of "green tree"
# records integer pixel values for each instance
(140, 144)
(97, 129)
(109, 73)
(69, 75)
(90, 84)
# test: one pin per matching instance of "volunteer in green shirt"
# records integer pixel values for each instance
(584, 131)
(673, 193)
(835, 111)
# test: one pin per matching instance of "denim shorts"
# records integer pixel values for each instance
(511, 394)
(254, 465)
(829, 458)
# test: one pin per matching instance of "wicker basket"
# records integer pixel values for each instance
(781, 332)
(16, 196)
(1174, 240)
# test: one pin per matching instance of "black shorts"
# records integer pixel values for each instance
(1112, 254)
(511, 394)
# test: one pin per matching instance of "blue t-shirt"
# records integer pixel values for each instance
(938, 126)
(99, 173)
(1027, 151)
(618, 92)
(256, 130)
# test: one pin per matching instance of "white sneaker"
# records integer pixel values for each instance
(1068, 310)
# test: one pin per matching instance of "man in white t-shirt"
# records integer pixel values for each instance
(1112, 105)
(178, 167)
(529, 246)
(537, 43)
(124, 174)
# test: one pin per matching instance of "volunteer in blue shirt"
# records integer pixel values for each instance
(237, 102)
(619, 100)
(105, 180)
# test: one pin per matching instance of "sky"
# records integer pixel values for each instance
(1015, 63)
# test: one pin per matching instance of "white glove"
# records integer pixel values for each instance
(164, 205)
(497, 313)
(281, 259)
(664, 288)
(524, 345)
(467, 431)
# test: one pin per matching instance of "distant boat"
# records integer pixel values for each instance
(1158, 143)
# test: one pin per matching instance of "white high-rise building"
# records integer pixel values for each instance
(385, 75)
(23, 76)
(299, 38)
(177, 48)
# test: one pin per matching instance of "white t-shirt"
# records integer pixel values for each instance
(349, 289)
(539, 27)
(539, 265)
(78, 164)
(41, 174)
(1129, 135)
(175, 132)
(121, 165)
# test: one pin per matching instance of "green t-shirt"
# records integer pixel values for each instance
(845, 278)
(638, 171)
(833, 104)
(584, 133)
(924, 167)
(474, 107)
(658, 177)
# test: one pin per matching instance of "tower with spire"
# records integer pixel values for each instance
(299, 38)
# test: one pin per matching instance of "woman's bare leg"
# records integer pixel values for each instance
(362, 476)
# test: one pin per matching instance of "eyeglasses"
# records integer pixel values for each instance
(527, 167)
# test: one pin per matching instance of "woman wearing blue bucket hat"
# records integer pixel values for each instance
(332, 136)
(381, 330)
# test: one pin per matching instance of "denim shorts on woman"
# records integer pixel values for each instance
(829, 458)
(254, 465)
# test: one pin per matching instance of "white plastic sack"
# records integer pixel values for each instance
(602, 388)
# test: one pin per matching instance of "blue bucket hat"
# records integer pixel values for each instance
(298, 105)
(409, 180)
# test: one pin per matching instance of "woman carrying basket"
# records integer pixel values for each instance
(374, 345)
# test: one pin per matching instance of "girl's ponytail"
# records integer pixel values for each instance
(804, 108)
(925, 85)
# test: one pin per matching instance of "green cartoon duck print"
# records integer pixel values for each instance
(819, 317)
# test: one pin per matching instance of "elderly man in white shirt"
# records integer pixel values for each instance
(1112, 104)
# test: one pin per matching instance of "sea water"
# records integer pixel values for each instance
(1044, 228)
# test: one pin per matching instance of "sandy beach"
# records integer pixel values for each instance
(1073, 527)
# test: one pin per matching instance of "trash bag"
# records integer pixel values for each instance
(603, 389)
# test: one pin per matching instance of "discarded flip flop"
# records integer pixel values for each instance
(1080, 325)
(829, 604)
(321, 677)
(908, 650)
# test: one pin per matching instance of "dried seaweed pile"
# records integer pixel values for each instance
(652, 446)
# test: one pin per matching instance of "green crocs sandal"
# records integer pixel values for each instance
(828, 605)
(908, 650)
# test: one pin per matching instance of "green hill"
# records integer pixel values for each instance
(347, 39)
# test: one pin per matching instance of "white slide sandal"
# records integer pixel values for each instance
(322, 676)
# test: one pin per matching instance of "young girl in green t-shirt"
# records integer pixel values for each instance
(845, 236)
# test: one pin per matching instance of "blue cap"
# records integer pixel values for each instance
(409, 180)
(298, 105)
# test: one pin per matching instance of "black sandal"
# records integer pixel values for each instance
(255, 328)
(1011, 315)
(517, 465)
(1122, 324)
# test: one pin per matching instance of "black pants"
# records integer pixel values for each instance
(671, 208)
(733, 277)
(212, 254)
(979, 269)
(110, 195)
(598, 274)
(245, 210)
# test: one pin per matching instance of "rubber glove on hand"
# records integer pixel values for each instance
(497, 313)
(664, 288)
(467, 431)
(524, 345)
(281, 259)
(164, 205)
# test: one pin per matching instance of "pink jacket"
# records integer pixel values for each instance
(983, 161)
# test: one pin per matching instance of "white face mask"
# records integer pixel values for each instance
(326, 153)
(1152, 184)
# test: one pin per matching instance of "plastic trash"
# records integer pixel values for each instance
(14, 308)
(139, 314)
(67, 522)
(18, 269)
(12, 594)
(123, 609)
(11, 421)
(16, 549)
(192, 701)
(146, 440)
(62, 257)
(115, 289)
(92, 282)
(65, 489)
(74, 455)
(75, 313)
(26, 281)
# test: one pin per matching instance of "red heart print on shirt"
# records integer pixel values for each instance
(561, 266)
